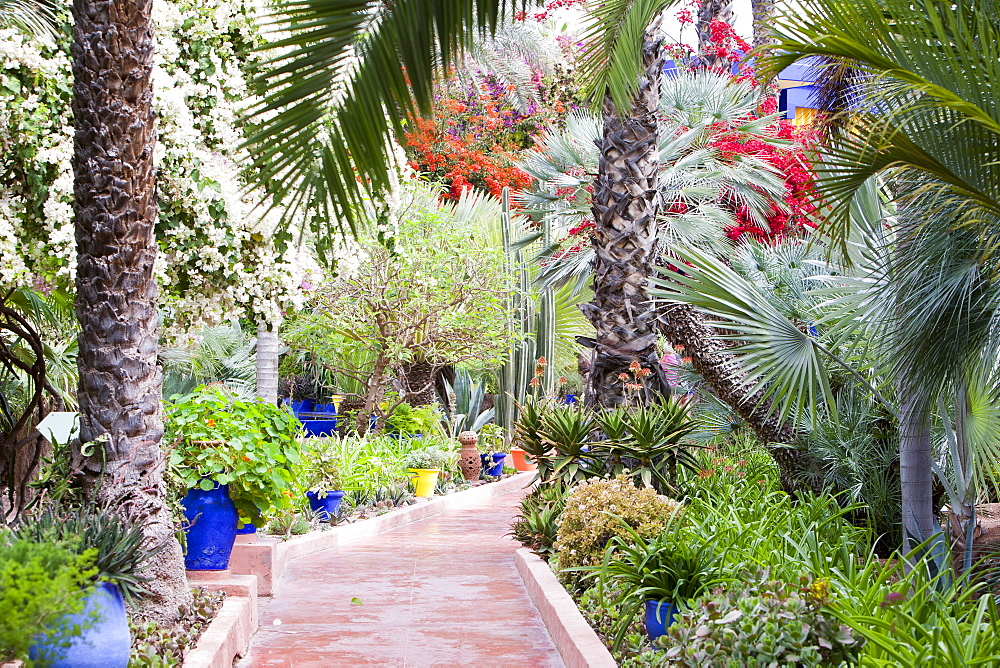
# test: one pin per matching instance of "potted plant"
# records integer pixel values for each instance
(234, 459)
(493, 449)
(427, 463)
(660, 574)
(325, 489)
(114, 546)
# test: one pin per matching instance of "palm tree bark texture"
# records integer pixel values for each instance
(763, 14)
(625, 207)
(683, 325)
(115, 209)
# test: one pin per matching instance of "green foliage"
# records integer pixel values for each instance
(587, 523)
(40, 584)
(225, 354)
(115, 542)
(465, 414)
(157, 646)
(319, 470)
(249, 445)
(407, 419)
(761, 624)
(431, 291)
(537, 525)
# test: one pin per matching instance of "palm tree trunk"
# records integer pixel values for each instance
(625, 206)
(682, 324)
(267, 364)
(120, 384)
(915, 470)
(763, 14)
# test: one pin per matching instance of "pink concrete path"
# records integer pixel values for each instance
(439, 592)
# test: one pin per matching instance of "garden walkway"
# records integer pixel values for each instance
(439, 592)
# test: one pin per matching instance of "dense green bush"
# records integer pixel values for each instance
(40, 583)
(586, 525)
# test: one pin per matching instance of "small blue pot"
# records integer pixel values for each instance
(326, 505)
(105, 641)
(326, 409)
(497, 468)
(211, 530)
(659, 615)
(570, 399)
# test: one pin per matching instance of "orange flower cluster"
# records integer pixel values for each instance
(472, 141)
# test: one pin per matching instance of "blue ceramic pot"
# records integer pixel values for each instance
(105, 641)
(325, 409)
(326, 505)
(327, 427)
(497, 467)
(211, 530)
(659, 615)
(247, 528)
(570, 399)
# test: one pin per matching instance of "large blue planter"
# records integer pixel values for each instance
(659, 615)
(105, 641)
(211, 530)
(326, 505)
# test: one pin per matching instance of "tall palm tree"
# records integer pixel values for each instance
(709, 11)
(336, 106)
(115, 211)
(923, 81)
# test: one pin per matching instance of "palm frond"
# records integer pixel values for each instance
(345, 77)
(614, 35)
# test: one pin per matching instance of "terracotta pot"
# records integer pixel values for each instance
(468, 456)
(521, 462)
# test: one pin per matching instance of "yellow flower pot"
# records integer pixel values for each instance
(425, 479)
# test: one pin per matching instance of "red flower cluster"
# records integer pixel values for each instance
(547, 9)
(799, 183)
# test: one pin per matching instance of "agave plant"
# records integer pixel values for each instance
(649, 442)
(117, 541)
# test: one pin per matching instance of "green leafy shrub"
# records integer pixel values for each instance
(586, 524)
(40, 583)
(761, 624)
(249, 445)
(676, 566)
(537, 524)
(407, 419)
(430, 458)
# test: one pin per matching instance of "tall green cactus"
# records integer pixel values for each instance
(516, 372)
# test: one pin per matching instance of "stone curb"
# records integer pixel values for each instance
(577, 643)
(227, 637)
